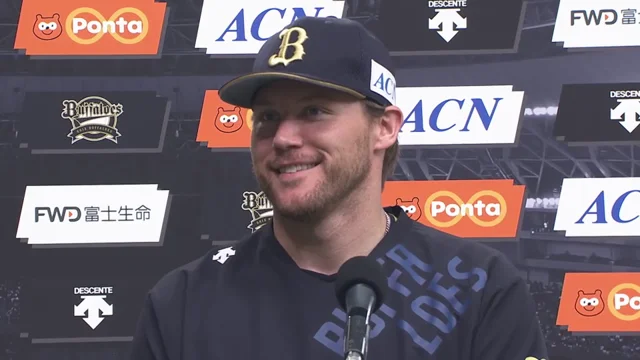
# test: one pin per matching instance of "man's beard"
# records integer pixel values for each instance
(342, 178)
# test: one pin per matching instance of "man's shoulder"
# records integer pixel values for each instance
(451, 251)
(221, 259)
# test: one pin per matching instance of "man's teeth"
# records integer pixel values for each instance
(295, 168)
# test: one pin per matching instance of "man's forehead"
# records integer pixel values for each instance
(289, 91)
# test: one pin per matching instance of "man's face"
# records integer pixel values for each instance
(311, 147)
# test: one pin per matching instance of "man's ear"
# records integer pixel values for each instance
(389, 127)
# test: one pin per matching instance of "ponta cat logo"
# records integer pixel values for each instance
(410, 207)
(600, 302)
(224, 126)
(118, 27)
(464, 208)
(47, 28)
(589, 304)
(228, 121)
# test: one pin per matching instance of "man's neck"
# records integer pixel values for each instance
(324, 246)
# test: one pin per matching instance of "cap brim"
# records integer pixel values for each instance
(241, 90)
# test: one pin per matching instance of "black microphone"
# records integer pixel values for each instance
(360, 288)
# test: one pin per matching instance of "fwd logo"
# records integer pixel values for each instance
(608, 16)
(66, 213)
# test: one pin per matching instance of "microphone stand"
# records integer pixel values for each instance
(356, 341)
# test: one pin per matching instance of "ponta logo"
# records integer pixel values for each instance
(475, 208)
(624, 302)
(70, 28)
(600, 302)
(127, 25)
(464, 208)
(222, 125)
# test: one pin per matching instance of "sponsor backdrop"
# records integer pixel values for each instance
(120, 162)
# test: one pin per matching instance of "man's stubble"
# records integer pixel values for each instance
(342, 178)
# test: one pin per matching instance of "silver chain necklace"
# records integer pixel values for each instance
(388, 226)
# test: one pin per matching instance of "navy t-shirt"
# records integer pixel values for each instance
(449, 299)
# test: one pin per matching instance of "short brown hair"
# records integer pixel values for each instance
(374, 112)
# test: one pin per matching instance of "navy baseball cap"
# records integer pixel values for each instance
(333, 53)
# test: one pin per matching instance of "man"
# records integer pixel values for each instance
(324, 139)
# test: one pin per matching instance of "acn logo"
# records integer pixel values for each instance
(605, 16)
(240, 27)
(459, 115)
(60, 214)
(599, 207)
(598, 210)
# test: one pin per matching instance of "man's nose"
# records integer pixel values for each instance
(288, 134)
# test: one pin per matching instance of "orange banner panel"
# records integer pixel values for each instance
(223, 126)
(464, 208)
(600, 302)
(90, 28)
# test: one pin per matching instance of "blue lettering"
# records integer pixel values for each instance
(255, 26)
(380, 82)
(435, 115)
(449, 294)
(387, 311)
(452, 267)
(617, 206)
(416, 112)
(431, 309)
(339, 314)
(386, 85)
(478, 107)
(481, 109)
(395, 285)
(377, 324)
(437, 305)
(598, 208)
(331, 335)
(389, 85)
(403, 257)
(238, 21)
(238, 24)
(428, 346)
(299, 13)
(598, 212)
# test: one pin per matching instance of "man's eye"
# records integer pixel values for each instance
(313, 111)
(266, 116)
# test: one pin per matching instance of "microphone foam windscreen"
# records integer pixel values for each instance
(361, 270)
